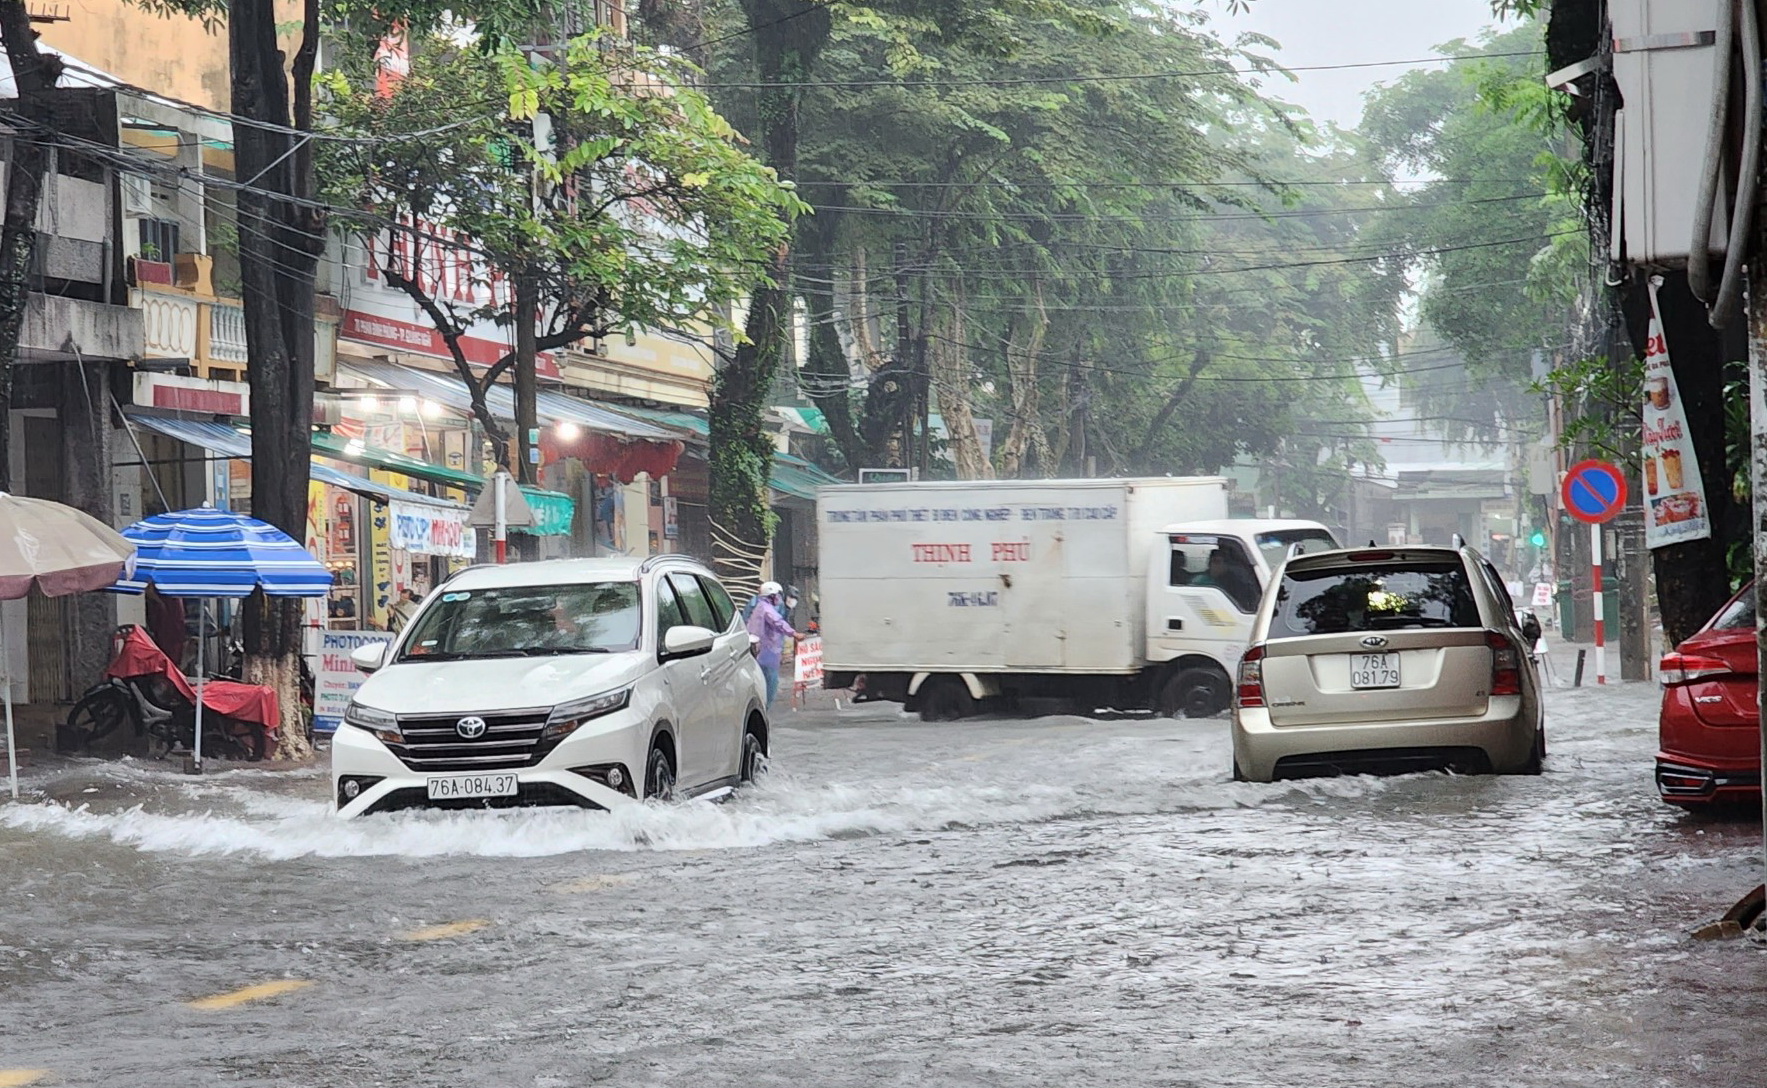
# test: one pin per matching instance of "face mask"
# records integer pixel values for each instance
(791, 602)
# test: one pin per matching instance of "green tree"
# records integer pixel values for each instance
(1495, 236)
(602, 183)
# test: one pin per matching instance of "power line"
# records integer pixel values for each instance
(1013, 81)
(1086, 217)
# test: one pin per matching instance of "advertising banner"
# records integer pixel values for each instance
(336, 679)
(423, 529)
(1674, 495)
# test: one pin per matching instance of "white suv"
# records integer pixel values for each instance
(591, 682)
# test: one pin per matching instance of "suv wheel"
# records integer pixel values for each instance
(754, 758)
(659, 776)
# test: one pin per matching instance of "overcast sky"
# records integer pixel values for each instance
(1347, 32)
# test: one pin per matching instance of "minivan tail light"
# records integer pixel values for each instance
(1506, 664)
(1251, 677)
(1676, 668)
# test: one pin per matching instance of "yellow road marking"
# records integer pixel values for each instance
(261, 992)
(446, 930)
(595, 883)
(18, 1078)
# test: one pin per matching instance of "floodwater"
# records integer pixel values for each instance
(1058, 901)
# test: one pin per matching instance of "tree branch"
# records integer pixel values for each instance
(1177, 397)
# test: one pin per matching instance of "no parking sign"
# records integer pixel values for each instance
(1594, 492)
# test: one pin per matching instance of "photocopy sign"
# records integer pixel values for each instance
(1674, 495)
(431, 530)
(336, 679)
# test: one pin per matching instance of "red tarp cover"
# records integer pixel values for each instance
(611, 455)
(247, 702)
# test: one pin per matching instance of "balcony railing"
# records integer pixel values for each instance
(226, 334)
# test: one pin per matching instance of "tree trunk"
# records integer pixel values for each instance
(952, 381)
(827, 374)
(35, 74)
(280, 238)
(1180, 392)
(788, 36)
(1693, 578)
(527, 414)
(1021, 370)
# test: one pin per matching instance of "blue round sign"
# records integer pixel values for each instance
(1594, 491)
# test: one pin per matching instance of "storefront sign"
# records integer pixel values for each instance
(431, 530)
(552, 513)
(378, 605)
(1674, 494)
(178, 393)
(336, 679)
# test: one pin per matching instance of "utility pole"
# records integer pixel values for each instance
(1757, 303)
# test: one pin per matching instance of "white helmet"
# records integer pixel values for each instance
(771, 589)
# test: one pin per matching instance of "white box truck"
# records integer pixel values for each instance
(1122, 593)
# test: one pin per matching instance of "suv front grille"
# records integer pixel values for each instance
(433, 742)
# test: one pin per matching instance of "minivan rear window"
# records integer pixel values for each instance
(1376, 597)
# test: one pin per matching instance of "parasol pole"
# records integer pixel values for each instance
(11, 744)
(201, 677)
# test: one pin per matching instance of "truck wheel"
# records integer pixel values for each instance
(945, 699)
(1193, 693)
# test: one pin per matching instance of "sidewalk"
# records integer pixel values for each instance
(1561, 671)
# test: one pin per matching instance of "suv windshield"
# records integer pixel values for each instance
(517, 621)
(1275, 544)
(1377, 597)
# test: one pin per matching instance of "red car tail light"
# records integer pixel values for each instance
(1251, 677)
(1677, 668)
(1506, 664)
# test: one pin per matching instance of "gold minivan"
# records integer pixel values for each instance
(1388, 660)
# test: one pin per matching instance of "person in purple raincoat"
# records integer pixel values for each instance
(766, 624)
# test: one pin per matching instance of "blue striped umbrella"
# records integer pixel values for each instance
(217, 553)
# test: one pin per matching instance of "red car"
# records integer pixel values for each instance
(1709, 731)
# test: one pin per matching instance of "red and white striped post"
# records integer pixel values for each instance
(1600, 625)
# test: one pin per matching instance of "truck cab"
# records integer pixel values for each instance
(1203, 588)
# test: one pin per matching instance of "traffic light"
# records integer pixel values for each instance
(1538, 540)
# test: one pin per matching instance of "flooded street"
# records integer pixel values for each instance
(1002, 902)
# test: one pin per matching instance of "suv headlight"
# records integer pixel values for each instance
(383, 724)
(566, 717)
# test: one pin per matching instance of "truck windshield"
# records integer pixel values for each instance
(526, 621)
(1275, 545)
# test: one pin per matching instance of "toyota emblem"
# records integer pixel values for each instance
(1372, 642)
(470, 728)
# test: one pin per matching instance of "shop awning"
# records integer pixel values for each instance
(553, 510)
(552, 407)
(229, 441)
(797, 478)
(343, 449)
(793, 477)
